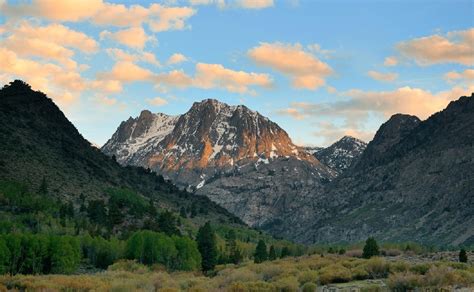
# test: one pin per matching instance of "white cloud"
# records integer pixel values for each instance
(454, 47)
(157, 101)
(386, 77)
(176, 59)
(305, 70)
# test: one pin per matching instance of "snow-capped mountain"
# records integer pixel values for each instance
(342, 154)
(213, 148)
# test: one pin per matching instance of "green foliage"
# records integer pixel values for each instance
(101, 252)
(261, 254)
(233, 251)
(309, 287)
(188, 257)
(206, 240)
(285, 252)
(126, 198)
(371, 248)
(167, 223)
(462, 256)
(174, 253)
(36, 254)
(272, 253)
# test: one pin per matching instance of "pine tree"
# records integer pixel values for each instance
(43, 189)
(261, 254)
(272, 254)
(462, 256)
(285, 252)
(207, 246)
(235, 255)
(182, 212)
(167, 223)
(371, 248)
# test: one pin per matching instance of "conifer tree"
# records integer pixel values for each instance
(272, 254)
(285, 252)
(261, 254)
(206, 240)
(462, 256)
(371, 248)
(167, 223)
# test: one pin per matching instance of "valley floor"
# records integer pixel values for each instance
(305, 273)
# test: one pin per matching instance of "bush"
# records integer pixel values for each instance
(307, 276)
(334, 273)
(309, 287)
(259, 286)
(377, 268)
(420, 269)
(128, 266)
(404, 281)
(287, 284)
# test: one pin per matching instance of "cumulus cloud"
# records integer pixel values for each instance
(206, 76)
(358, 106)
(52, 42)
(454, 47)
(246, 4)
(157, 16)
(141, 56)
(62, 84)
(176, 59)
(126, 71)
(390, 61)
(134, 37)
(466, 75)
(216, 75)
(64, 10)
(387, 77)
(305, 69)
(157, 101)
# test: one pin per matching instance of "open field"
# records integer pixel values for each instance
(305, 273)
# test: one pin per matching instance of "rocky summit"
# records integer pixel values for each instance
(342, 154)
(235, 156)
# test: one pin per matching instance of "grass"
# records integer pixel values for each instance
(303, 273)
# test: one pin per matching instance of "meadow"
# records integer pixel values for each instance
(304, 273)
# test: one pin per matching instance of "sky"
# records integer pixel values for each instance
(321, 69)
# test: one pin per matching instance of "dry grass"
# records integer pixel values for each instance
(290, 274)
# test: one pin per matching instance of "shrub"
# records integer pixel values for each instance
(257, 286)
(355, 253)
(359, 273)
(399, 266)
(420, 269)
(309, 287)
(307, 276)
(287, 284)
(335, 273)
(128, 266)
(377, 268)
(404, 281)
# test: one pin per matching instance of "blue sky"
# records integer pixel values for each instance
(320, 69)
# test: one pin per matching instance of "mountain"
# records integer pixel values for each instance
(415, 181)
(40, 148)
(342, 154)
(235, 156)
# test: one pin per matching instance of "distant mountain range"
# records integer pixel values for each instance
(413, 182)
(233, 155)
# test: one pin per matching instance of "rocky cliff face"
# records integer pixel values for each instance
(235, 156)
(415, 181)
(342, 154)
